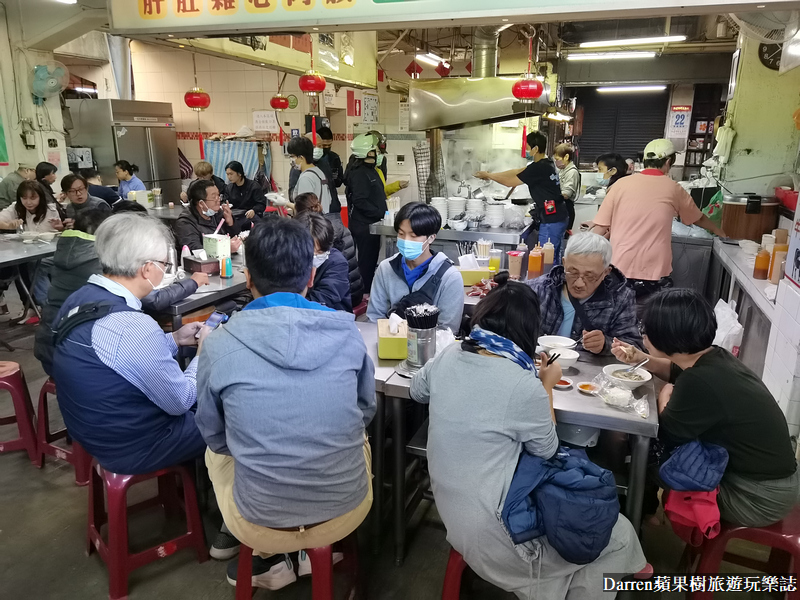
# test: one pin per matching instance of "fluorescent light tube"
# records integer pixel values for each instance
(632, 88)
(610, 55)
(67, 1)
(424, 58)
(663, 39)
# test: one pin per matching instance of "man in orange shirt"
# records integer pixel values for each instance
(638, 213)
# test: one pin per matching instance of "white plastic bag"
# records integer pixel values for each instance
(729, 330)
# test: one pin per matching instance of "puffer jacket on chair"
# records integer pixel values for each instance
(343, 242)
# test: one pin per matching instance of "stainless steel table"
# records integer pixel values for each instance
(571, 407)
(166, 213)
(15, 252)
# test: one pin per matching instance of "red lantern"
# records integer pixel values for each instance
(312, 83)
(413, 69)
(279, 102)
(527, 88)
(197, 99)
(444, 68)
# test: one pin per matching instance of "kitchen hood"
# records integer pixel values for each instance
(456, 102)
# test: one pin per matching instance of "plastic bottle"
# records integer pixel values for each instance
(184, 253)
(779, 252)
(549, 253)
(535, 262)
(227, 271)
(761, 270)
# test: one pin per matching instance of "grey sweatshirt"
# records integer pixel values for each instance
(388, 289)
(287, 392)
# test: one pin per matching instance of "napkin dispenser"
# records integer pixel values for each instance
(193, 264)
(392, 346)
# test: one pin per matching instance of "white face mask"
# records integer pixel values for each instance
(319, 259)
(160, 269)
(318, 153)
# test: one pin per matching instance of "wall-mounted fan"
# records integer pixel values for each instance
(47, 80)
(768, 27)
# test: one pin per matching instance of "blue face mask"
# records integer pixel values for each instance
(410, 249)
(528, 155)
(601, 180)
(379, 160)
(208, 212)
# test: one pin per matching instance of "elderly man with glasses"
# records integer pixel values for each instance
(76, 189)
(586, 298)
(121, 393)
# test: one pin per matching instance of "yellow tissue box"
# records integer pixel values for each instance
(474, 276)
(217, 245)
(392, 346)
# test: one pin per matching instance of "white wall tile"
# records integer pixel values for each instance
(780, 298)
(219, 81)
(793, 413)
(237, 101)
(237, 81)
(792, 301)
(203, 62)
(769, 380)
(219, 64)
(253, 82)
(204, 81)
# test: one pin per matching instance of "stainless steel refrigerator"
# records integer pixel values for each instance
(143, 133)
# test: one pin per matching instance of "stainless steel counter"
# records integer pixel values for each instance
(498, 235)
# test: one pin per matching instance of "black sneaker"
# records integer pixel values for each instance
(271, 573)
(225, 545)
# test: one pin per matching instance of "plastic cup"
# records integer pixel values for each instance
(515, 264)
(495, 258)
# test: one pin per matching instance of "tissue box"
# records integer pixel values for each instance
(217, 245)
(473, 276)
(392, 346)
(192, 264)
(144, 197)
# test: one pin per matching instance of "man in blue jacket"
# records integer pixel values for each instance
(286, 390)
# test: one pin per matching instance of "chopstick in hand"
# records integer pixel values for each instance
(553, 359)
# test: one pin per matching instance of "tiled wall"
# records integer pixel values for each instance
(782, 367)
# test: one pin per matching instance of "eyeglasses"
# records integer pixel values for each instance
(167, 265)
(588, 278)
(79, 190)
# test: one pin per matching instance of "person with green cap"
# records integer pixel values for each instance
(366, 201)
(10, 183)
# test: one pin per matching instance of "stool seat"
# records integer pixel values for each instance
(74, 455)
(12, 379)
(782, 537)
(321, 571)
(115, 552)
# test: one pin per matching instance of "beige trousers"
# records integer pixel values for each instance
(265, 541)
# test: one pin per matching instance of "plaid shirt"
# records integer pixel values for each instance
(611, 309)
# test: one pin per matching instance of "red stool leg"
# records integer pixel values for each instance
(83, 464)
(321, 572)
(12, 379)
(168, 494)
(350, 549)
(194, 522)
(116, 490)
(452, 577)
(42, 425)
(711, 556)
(244, 574)
(97, 513)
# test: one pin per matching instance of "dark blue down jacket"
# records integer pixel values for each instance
(567, 498)
(694, 467)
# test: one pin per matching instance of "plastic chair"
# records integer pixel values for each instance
(361, 309)
(321, 571)
(782, 537)
(13, 379)
(114, 552)
(452, 577)
(76, 456)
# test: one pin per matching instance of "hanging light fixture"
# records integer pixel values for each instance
(196, 98)
(312, 83)
(528, 88)
(279, 101)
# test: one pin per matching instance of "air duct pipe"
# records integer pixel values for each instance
(484, 51)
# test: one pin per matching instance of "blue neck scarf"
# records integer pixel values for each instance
(501, 346)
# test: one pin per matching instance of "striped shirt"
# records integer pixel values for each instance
(135, 347)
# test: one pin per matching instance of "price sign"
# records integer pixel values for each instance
(265, 120)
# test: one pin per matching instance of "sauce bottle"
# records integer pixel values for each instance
(549, 252)
(761, 270)
(535, 262)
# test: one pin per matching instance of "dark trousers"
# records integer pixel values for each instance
(571, 212)
(369, 248)
(646, 289)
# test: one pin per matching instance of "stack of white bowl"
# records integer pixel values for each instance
(475, 206)
(455, 206)
(495, 214)
(440, 204)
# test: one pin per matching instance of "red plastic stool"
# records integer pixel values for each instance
(321, 570)
(115, 551)
(76, 456)
(783, 537)
(361, 309)
(452, 577)
(13, 379)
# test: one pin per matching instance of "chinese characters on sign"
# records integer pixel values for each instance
(265, 120)
(704, 583)
(159, 9)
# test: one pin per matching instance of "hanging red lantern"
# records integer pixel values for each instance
(527, 88)
(413, 69)
(197, 99)
(312, 83)
(444, 68)
(279, 102)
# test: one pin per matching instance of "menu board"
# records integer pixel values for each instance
(265, 120)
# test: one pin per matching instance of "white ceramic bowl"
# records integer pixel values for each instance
(556, 342)
(631, 385)
(457, 225)
(47, 236)
(29, 235)
(749, 247)
(567, 358)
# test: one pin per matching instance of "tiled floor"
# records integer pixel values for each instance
(43, 525)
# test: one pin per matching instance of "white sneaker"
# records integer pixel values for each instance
(271, 573)
(304, 562)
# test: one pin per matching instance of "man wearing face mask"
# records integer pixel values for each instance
(416, 275)
(122, 395)
(312, 180)
(203, 216)
(331, 285)
(366, 201)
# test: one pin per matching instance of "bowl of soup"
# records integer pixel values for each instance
(620, 375)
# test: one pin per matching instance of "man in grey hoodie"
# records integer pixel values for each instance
(285, 390)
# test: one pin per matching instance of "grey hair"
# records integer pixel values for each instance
(126, 241)
(586, 242)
